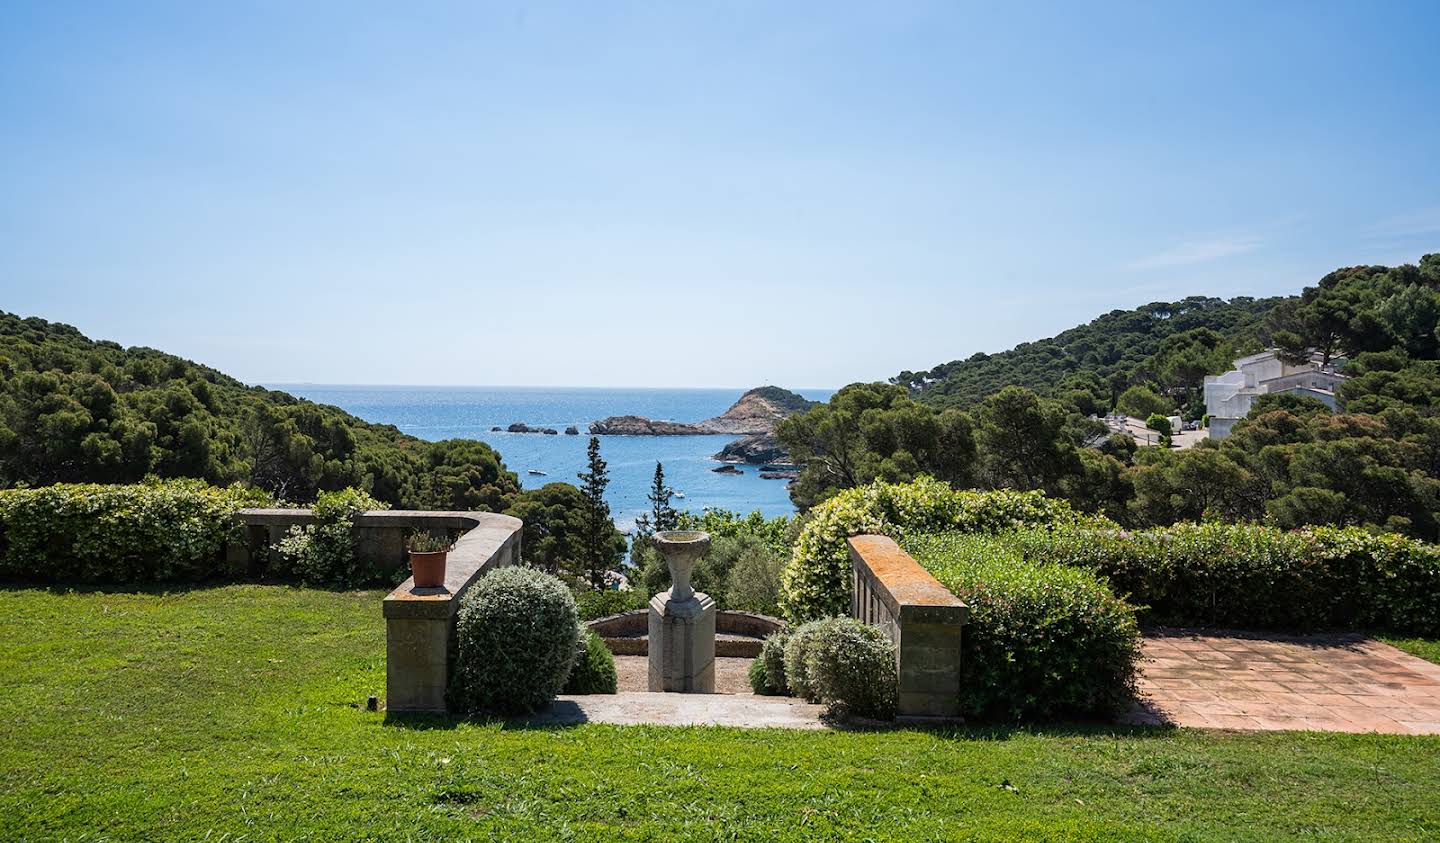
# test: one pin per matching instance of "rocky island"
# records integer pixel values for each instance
(753, 418)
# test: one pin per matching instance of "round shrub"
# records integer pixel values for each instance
(797, 675)
(850, 666)
(772, 661)
(816, 583)
(594, 669)
(516, 634)
(1043, 640)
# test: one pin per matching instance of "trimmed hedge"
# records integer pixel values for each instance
(816, 583)
(593, 671)
(1257, 577)
(1043, 640)
(516, 634)
(161, 531)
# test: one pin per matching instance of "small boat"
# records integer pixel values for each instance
(679, 494)
(537, 472)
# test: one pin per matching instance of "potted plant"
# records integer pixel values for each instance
(427, 559)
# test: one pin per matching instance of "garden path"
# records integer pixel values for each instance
(1332, 683)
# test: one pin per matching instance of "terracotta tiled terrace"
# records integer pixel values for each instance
(1342, 683)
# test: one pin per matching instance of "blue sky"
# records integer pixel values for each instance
(691, 194)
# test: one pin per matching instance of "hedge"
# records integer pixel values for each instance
(1043, 640)
(160, 531)
(1251, 576)
(816, 583)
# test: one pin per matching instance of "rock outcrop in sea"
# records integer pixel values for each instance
(757, 411)
(755, 449)
(753, 418)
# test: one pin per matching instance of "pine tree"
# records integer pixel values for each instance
(599, 529)
(662, 515)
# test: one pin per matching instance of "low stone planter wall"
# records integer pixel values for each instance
(924, 620)
(379, 535)
(627, 634)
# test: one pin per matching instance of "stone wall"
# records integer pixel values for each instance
(626, 634)
(379, 535)
(924, 620)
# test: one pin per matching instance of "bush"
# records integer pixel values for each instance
(1160, 424)
(516, 634)
(323, 553)
(797, 645)
(594, 669)
(1043, 640)
(816, 583)
(759, 682)
(1244, 575)
(161, 531)
(772, 659)
(594, 604)
(850, 666)
(753, 583)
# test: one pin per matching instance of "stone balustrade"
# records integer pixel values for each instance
(419, 623)
(921, 616)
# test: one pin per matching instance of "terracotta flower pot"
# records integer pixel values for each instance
(428, 568)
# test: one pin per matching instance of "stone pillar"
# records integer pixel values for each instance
(682, 620)
(682, 644)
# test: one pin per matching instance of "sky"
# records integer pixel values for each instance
(690, 194)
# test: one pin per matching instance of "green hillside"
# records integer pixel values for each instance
(76, 409)
(1106, 355)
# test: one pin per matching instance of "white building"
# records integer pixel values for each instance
(1229, 397)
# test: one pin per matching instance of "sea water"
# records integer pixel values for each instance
(435, 413)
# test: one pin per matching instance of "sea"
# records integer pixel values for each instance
(435, 413)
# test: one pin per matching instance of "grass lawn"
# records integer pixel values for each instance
(1425, 648)
(236, 714)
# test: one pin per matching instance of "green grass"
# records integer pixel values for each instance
(236, 714)
(1425, 648)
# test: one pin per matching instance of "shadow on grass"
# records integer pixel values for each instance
(170, 589)
(568, 714)
(561, 714)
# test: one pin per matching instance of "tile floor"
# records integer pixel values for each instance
(1343, 683)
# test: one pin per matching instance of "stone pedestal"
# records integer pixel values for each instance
(682, 644)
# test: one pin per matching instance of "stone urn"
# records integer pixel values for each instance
(681, 549)
(682, 620)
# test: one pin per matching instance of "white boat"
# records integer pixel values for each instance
(537, 471)
(679, 494)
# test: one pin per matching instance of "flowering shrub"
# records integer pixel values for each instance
(816, 583)
(323, 553)
(1043, 640)
(158, 531)
(1252, 576)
